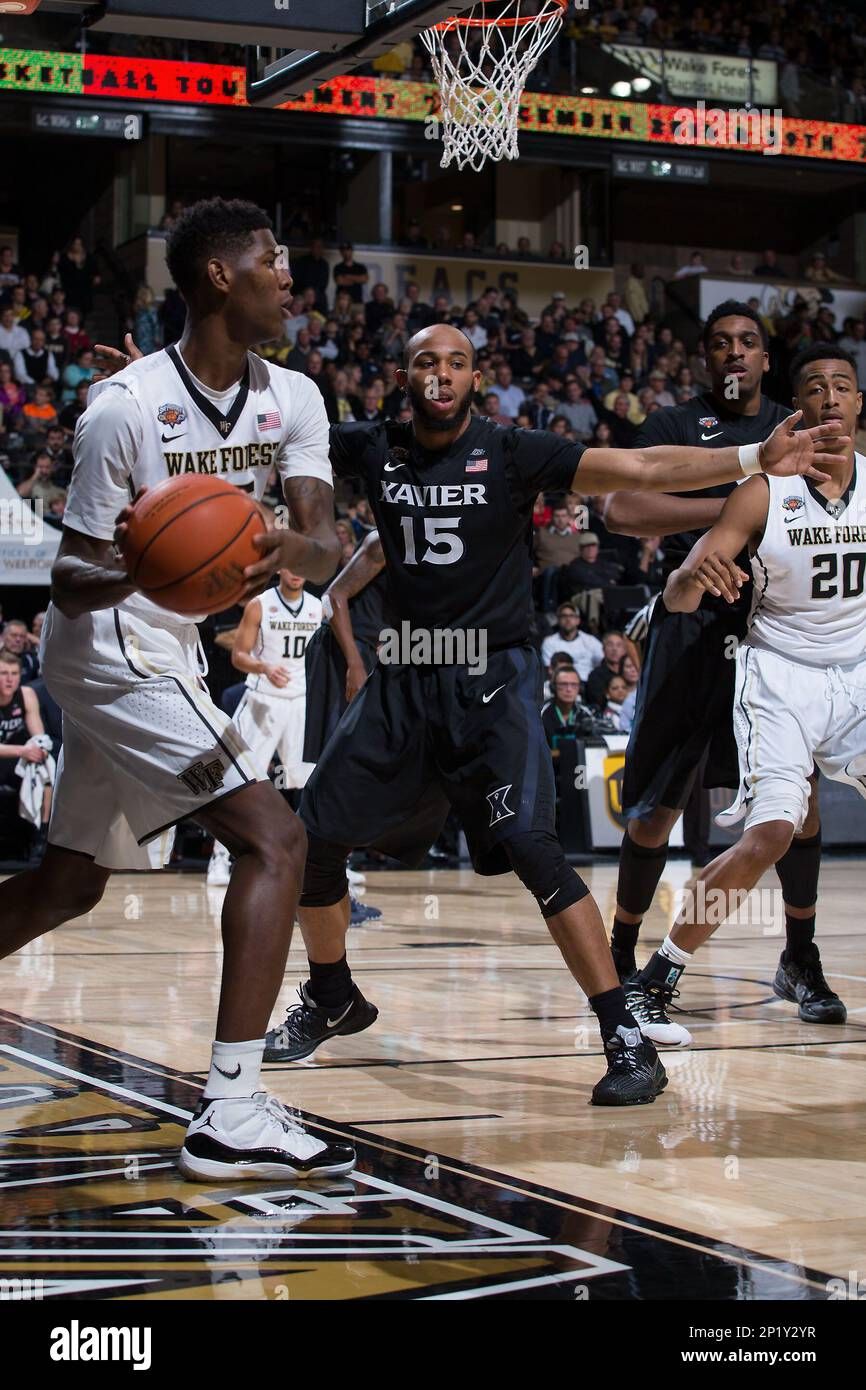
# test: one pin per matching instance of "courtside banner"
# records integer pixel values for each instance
(380, 98)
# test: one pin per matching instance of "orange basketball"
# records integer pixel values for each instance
(189, 540)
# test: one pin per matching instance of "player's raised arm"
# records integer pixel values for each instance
(676, 468)
(710, 567)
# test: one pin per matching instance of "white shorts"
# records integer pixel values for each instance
(787, 718)
(274, 724)
(144, 746)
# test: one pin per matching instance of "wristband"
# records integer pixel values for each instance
(749, 459)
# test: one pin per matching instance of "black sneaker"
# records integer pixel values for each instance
(635, 1076)
(307, 1026)
(801, 981)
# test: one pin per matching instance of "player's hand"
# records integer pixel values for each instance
(718, 575)
(356, 677)
(110, 360)
(279, 549)
(121, 521)
(278, 676)
(789, 451)
(32, 753)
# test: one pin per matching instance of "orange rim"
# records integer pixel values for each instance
(455, 22)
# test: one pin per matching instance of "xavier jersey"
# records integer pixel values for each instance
(284, 632)
(809, 600)
(704, 423)
(456, 523)
(154, 421)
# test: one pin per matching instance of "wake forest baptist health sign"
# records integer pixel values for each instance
(378, 98)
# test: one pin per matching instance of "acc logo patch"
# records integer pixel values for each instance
(791, 506)
(706, 422)
(614, 771)
(171, 415)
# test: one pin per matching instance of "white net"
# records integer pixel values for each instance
(481, 61)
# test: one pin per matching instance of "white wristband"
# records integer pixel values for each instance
(749, 461)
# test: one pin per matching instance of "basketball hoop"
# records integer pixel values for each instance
(482, 71)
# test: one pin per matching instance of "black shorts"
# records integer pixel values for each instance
(419, 740)
(684, 709)
(325, 668)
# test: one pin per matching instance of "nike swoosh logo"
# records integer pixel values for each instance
(545, 901)
(231, 1075)
(390, 467)
(485, 699)
(332, 1023)
(167, 438)
(718, 435)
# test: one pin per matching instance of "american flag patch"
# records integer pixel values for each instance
(477, 466)
(270, 421)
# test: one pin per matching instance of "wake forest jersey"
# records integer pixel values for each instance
(154, 421)
(809, 570)
(284, 632)
(704, 423)
(456, 524)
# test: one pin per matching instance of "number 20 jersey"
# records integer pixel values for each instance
(809, 599)
(456, 523)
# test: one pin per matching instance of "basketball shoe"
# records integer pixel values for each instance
(635, 1075)
(356, 879)
(800, 979)
(219, 869)
(362, 912)
(255, 1137)
(308, 1025)
(648, 1003)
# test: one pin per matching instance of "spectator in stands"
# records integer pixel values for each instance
(71, 412)
(589, 572)
(40, 486)
(584, 649)
(853, 340)
(526, 360)
(39, 415)
(555, 548)
(511, 397)
(145, 321)
(76, 337)
(18, 301)
(82, 369)
(57, 343)
(658, 386)
(629, 669)
(524, 249)
(13, 338)
(55, 445)
(35, 365)
(621, 313)
(614, 649)
(9, 272)
(626, 388)
(578, 411)
(493, 410)
(737, 265)
(615, 696)
(370, 406)
(819, 272)
(378, 308)
(623, 432)
(415, 236)
(769, 268)
(695, 266)
(542, 512)
(563, 715)
(12, 399)
(16, 639)
(312, 271)
(77, 271)
(350, 274)
(57, 303)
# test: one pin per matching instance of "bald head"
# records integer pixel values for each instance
(439, 337)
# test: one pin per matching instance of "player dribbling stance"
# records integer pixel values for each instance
(144, 745)
(800, 695)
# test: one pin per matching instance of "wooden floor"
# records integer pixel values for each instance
(472, 1090)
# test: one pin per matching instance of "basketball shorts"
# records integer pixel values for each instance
(272, 725)
(325, 668)
(683, 709)
(417, 741)
(144, 745)
(787, 716)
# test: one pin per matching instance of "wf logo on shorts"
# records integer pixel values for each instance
(203, 777)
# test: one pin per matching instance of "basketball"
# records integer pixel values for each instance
(188, 542)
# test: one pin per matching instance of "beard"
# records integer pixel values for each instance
(445, 424)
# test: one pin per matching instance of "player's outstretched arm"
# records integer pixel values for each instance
(710, 567)
(367, 561)
(87, 575)
(656, 514)
(675, 468)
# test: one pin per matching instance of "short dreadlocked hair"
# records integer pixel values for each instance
(212, 227)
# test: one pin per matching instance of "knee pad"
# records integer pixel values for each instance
(798, 872)
(640, 868)
(541, 866)
(325, 881)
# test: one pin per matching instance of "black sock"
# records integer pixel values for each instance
(799, 934)
(623, 938)
(611, 1010)
(330, 984)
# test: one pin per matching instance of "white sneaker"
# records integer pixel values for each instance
(219, 869)
(356, 880)
(255, 1137)
(647, 1006)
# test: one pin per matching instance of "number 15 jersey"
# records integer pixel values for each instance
(809, 599)
(456, 523)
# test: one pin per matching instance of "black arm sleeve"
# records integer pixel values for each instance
(348, 445)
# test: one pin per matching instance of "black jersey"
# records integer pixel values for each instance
(370, 610)
(13, 730)
(705, 424)
(456, 523)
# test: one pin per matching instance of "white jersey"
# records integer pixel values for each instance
(284, 632)
(154, 420)
(809, 601)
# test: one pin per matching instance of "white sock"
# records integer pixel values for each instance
(235, 1069)
(671, 951)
